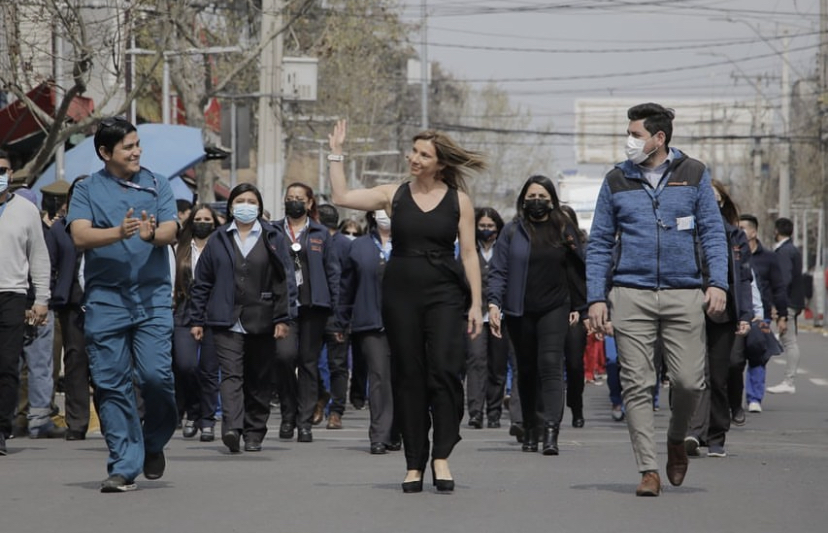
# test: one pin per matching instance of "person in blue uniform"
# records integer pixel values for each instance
(424, 292)
(124, 218)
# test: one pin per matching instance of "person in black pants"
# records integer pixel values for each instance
(536, 280)
(711, 419)
(195, 363)
(337, 341)
(67, 299)
(488, 355)
(316, 269)
(360, 311)
(575, 346)
(243, 291)
(424, 292)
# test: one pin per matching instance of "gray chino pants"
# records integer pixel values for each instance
(639, 318)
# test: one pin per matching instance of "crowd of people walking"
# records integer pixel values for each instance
(179, 316)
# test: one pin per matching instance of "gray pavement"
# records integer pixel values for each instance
(775, 479)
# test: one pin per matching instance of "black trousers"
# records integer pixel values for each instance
(374, 346)
(486, 374)
(196, 370)
(298, 394)
(574, 348)
(338, 368)
(422, 310)
(75, 368)
(736, 374)
(359, 376)
(246, 363)
(539, 349)
(711, 419)
(12, 328)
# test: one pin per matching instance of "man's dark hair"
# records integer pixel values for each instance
(784, 226)
(656, 118)
(751, 219)
(110, 132)
(183, 205)
(328, 216)
(5, 155)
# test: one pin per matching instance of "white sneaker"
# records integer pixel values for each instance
(786, 387)
(754, 407)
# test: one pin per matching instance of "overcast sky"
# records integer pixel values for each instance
(547, 54)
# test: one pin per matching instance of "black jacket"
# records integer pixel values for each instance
(360, 305)
(790, 262)
(213, 293)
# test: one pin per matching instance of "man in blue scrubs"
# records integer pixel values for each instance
(124, 217)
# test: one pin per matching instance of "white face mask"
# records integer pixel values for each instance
(635, 150)
(350, 237)
(383, 221)
(4, 182)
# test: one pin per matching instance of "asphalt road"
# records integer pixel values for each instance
(775, 479)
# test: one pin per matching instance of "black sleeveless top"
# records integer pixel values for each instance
(418, 233)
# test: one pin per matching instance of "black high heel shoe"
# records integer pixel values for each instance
(410, 487)
(443, 485)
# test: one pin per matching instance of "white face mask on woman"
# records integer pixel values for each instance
(635, 150)
(383, 220)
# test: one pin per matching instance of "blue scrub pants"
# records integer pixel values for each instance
(126, 344)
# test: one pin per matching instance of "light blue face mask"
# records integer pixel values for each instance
(245, 213)
(4, 182)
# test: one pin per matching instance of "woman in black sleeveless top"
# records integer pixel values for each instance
(424, 293)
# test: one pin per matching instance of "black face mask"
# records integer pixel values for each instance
(485, 234)
(202, 230)
(537, 208)
(295, 208)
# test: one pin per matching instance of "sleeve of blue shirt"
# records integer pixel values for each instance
(600, 246)
(79, 207)
(167, 210)
(712, 233)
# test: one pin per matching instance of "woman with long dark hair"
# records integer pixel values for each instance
(243, 291)
(711, 419)
(316, 273)
(487, 355)
(537, 280)
(424, 292)
(195, 364)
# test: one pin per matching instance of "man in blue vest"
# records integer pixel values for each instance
(642, 264)
(124, 217)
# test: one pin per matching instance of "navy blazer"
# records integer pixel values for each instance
(765, 264)
(323, 263)
(790, 261)
(361, 295)
(64, 257)
(212, 298)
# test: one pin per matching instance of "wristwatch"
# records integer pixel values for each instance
(337, 158)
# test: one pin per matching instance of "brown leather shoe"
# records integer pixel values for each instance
(650, 485)
(676, 463)
(334, 421)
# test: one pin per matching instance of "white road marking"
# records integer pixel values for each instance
(819, 381)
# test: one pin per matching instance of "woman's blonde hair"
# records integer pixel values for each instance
(457, 160)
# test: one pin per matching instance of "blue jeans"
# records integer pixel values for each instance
(755, 384)
(37, 351)
(129, 347)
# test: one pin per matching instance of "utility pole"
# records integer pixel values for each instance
(270, 148)
(785, 158)
(424, 68)
(757, 146)
(819, 268)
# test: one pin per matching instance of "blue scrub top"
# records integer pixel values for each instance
(131, 272)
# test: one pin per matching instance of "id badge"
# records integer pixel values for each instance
(686, 223)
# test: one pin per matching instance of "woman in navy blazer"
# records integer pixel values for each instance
(360, 310)
(316, 269)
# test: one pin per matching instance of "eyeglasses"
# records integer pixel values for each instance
(3, 170)
(111, 121)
